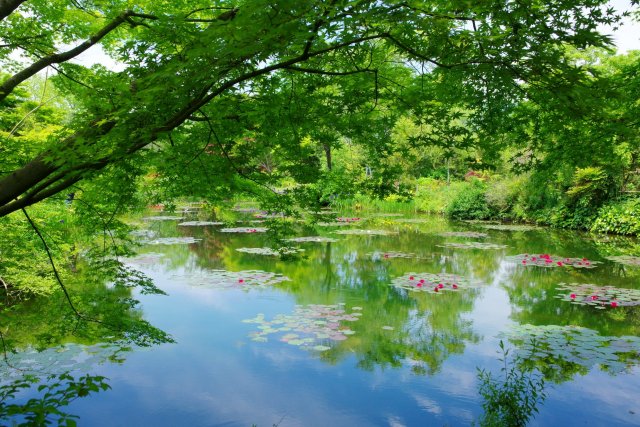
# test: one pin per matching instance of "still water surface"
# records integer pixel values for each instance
(375, 354)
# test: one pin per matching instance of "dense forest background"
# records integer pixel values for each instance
(518, 111)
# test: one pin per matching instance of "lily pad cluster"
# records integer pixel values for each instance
(546, 260)
(162, 218)
(510, 227)
(390, 254)
(472, 245)
(574, 344)
(244, 230)
(626, 260)
(385, 215)
(317, 239)
(347, 219)
(432, 283)
(599, 296)
(361, 232)
(173, 241)
(311, 327)
(223, 279)
(199, 223)
(269, 251)
(143, 234)
(333, 224)
(471, 234)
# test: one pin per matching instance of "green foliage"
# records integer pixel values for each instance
(618, 217)
(470, 202)
(590, 186)
(512, 398)
(56, 392)
(434, 196)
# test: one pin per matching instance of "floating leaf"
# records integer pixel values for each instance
(318, 239)
(599, 296)
(146, 259)
(626, 260)
(311, 326)
(472, 234)
(173, 241)
(162, 218)
(269, 251)
(222, 279)
(546, 260)
(511, 227)
(333, 224)
(357, 231)
(199, 223)
(390, 254)
(561, 344)
(432, 283)
(472, 245)
(244, 230)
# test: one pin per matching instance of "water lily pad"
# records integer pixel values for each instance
(143, 234)
(309, 326)
(162, 218)
(317, 239)
(433, 283)
(243, 230)
(599, 296)
(199, 223)
(269, 251)
(472, 234)
(626, 260)
(390, 254)
(348, 219)
(333, 224)
(511, 227)
(146, 259)
(385, 215)
(574, 344)
(357, 231)
(173, 241)
(223, 279)
(546, 260)
(472, 245)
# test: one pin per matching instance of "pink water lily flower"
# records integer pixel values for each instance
(454, 286)
(410, 277)
(435, 289)
(614, 304)
(240, 280)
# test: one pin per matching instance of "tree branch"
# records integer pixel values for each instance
(10, 84)
(8, 6)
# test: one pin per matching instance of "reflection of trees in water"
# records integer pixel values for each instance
(42, 337)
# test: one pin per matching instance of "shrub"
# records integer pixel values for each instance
(503, 194)
(470, 202)
(620, 217)
(434, 196)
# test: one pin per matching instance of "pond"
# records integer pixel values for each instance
(383, 321)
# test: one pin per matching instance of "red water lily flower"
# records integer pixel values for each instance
(419, 285)
(421, 280)
(440, 285)
(533, 258)
(240, 280)
(435, 289)
(410, 277)
(594, 297)
(584, 259)
(386, 255)
(454, 286)
(559, 263)
(614, 304)
(524, 262)
(573, 296)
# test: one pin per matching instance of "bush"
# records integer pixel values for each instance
(470, 202)
(619, 217)
(434, 196)
(503, 194)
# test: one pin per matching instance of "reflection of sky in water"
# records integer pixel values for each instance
(215, 374)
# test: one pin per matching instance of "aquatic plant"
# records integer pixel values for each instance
(357, 231)
(626, 260)
(172, 241)
(244, 230)
(432, 283)
(269, 251)
(598, 296)
(333, 224)
(554, 346)
(162, 218)
(377, 255)
(546, 260)
(472, 245)
(199, 223)
(472, 234)
(511, 227)
(223, 279)
(317, 239)
(312, 327)
(145, 259)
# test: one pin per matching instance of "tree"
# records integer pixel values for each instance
(189, 66)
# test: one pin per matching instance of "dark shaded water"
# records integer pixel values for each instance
(365, 352)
